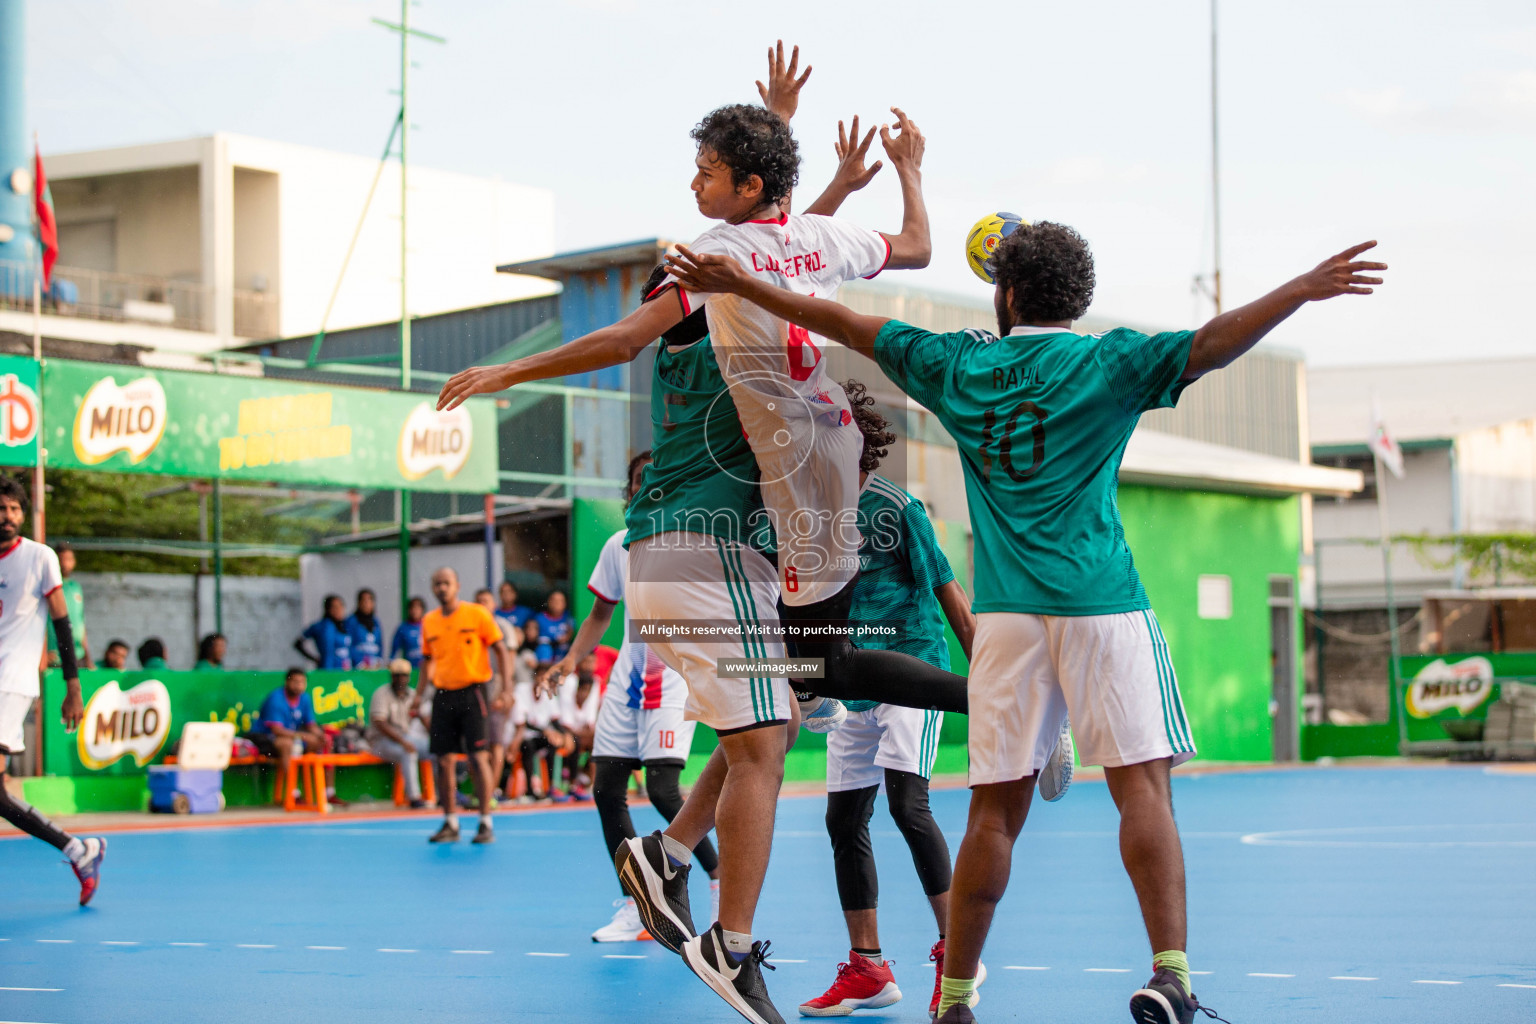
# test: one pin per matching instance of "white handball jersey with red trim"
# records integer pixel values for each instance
(796, 418)
(638, 677)
(29, 572)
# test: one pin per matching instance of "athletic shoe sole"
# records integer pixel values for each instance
(693, 956)
(645, 886)
(885, 997)
(1149, 1007)
(1054, 784)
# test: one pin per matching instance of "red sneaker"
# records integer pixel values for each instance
(861, 984)
(88, 870)
(936, 954)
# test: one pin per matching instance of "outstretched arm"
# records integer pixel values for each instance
(912, 249)
(707, 273)
(851, 173)
(587, 639)
(782, 93)
(609, 346)
(1232, 333)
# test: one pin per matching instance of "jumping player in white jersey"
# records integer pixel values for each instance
(640, 724)
(31, 592)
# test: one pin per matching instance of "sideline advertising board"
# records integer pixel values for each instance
(130, 419)
(19, 411)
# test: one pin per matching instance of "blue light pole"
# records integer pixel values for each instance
(17, 245)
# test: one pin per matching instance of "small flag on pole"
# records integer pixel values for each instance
(1383, 445)
(47, 227)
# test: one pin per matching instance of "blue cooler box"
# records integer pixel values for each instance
(175, 790)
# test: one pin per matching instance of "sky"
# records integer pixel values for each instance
(1412, 122)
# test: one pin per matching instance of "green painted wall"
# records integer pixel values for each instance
(1223, 665)
(593, 521)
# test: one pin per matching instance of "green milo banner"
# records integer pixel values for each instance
(19, 411)
(136, 420)
(1454, 686)
(132, 717)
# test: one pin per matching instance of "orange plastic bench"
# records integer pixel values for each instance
(307, 773)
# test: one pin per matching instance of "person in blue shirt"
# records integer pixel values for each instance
(365, 633)
(555, 627)
(509, 609)
(331, 644)
(407, 640)
(285, 726)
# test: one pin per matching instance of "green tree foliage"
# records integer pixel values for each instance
(1489, 558)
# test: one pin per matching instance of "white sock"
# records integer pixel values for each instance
(679, 853)
(451, 820)
(738, 944)
(485, 821)
(74, 850)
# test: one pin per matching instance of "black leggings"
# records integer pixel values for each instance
(610, 792)
(887, 677)
(848, 814)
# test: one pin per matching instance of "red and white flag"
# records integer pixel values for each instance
(1383, 445)
(47, 225)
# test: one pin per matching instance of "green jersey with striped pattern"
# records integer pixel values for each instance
(702, 477)
(1041, 419)
(900, 566)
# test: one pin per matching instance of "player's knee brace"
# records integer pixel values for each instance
(907, 796)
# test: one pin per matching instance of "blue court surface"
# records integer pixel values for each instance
(1343, 894)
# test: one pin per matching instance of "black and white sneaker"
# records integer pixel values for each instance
(1164, 1001)
(484, 835)
(958, 1013)
(659, 889)
(447, 834)
(740, 984)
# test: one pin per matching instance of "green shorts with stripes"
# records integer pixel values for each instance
(682, 585)
(1112, 674)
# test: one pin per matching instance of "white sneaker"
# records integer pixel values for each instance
(1056, 776)
(626, 925)
(822, 714)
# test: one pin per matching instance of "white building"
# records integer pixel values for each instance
(200, 244)
(1468, 431)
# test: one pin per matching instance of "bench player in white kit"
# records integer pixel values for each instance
(31, 592)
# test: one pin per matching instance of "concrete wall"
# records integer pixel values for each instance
(155, 216)
(261, 615)
(258, 224)
(1497, 469)
(345, 573)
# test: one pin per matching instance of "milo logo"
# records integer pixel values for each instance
(118, 723)
(1440, 686)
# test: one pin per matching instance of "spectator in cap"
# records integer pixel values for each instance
(393, 734)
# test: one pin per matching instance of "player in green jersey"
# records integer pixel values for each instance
(1041, 416)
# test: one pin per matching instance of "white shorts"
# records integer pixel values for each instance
(13, 719)
(696, 577)
(636, 734)
(1112, 673)
(811, 491)
(859, 751)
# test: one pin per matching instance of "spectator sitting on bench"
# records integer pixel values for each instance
(393, 735)
(115, 657)
(407, 641)
(285, 727)
(579, 698)
(152, 654)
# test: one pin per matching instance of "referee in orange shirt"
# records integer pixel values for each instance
(457, 642)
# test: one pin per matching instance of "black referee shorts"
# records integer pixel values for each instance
(458, 720)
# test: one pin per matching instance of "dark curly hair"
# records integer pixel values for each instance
(1050, 270)
(751, 140)
(878, 435)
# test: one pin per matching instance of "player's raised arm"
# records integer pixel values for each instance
(782, 92)
(912, 248)
(1236, 331)
(705, 273)
(851, 174)
(609, 346)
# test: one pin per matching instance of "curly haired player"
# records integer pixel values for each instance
(1041, 416)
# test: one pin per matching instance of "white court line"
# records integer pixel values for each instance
(472, 952)
(325, 947)
(57, 942)
(1106, 970)
(1427, 982)
(189, 943)
(387, 949)
(1506, 984)
(1202, 972)
(118, 942)
(1351, 977)
(1261, 974)
(547, 954)
(18, 988)
(1016, 967)
(624, 956)
(254, 945)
